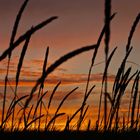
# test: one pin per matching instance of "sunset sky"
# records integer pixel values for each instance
(79, 24)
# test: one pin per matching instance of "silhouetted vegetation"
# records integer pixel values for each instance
(30, 115)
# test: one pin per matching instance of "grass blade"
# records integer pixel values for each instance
(54, 91)
(63, 100)
(33, 122)
(134, 100)
(57, 63)
(133, 28)
(107, 41)
(53, 119)
(21, 60)
(19, 15)
(23, 37)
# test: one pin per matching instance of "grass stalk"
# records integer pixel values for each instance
(107, 40)
(134, 100)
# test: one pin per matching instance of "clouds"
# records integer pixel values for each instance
(32, 70)
(29, 77)
(76, 78)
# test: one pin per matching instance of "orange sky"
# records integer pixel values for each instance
(79, 24)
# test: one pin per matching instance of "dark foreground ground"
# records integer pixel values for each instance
(74, 135)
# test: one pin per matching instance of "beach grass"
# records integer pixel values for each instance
(31, 115)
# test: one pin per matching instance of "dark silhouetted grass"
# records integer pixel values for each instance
(26, 118)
